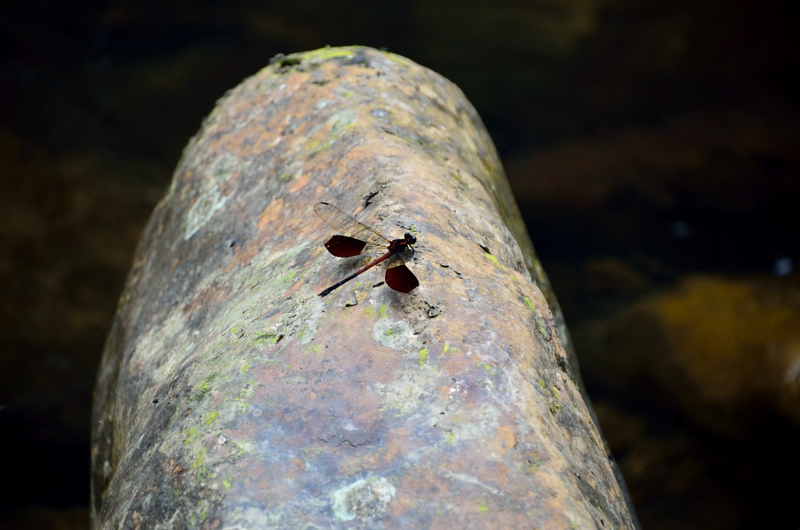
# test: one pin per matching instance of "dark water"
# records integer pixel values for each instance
(647, 144)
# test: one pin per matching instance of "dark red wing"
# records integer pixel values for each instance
(399, 277)
(345, 247)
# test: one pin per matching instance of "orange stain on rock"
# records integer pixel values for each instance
(268, 219)
(300, 183)
(505, 437)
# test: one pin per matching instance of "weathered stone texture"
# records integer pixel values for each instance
(232, 396)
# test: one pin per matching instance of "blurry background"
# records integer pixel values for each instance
(654, 151)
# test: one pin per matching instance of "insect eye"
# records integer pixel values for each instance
(410, 239)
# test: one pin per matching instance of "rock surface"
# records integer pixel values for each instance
(230, 394)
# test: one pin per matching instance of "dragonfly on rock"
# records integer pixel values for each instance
(354, 237)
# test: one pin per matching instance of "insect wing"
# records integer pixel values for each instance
(345, 247)
(347, 225)
(399, 277)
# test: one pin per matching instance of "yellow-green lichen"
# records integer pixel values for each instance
(268, 337)
(555, 402)
(191, 435)
(203, 388)
(340, 122)
(241, 405)
(248, 389)
(458, 179)
(323, 54)
(313, 348)
(541, 324)
(245, 393)
(304, 335)
(199, 463)
(211, 417)
(394, 334)
(398, 59)
(528, 302)
(423, 354)
(312, 451)
(492, 370)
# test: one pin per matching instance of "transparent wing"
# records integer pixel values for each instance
(347, 225)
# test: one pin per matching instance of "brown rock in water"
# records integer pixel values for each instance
(725, 351)
(231, 395)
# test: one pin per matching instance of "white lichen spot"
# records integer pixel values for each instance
(342, 120)
(391, 333)
(478, 424)
(407, 391)
(202, 210)
(221, 170)
(366, 499)
(469, 479)
(457, 387)
(245, 518)
(224, 167)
